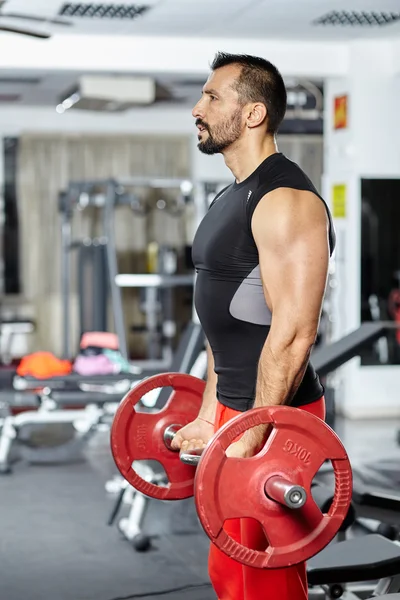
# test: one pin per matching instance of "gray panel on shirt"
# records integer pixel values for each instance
(248, 304)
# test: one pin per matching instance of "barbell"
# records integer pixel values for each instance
(273, 487)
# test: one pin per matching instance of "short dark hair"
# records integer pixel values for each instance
(259, 81)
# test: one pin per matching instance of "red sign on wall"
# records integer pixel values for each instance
(340, 112)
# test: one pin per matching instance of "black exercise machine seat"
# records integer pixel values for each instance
(376, 498)
(375, 503)
(366, 558)
(387, 597)
(19, 400)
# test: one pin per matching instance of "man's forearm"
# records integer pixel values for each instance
(281, 370)
(209, 404)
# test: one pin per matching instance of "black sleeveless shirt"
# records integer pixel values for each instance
(229, 297)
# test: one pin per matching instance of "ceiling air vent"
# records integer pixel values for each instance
(103, 11)
(357, 19)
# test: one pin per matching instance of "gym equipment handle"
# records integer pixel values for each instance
(285, 492)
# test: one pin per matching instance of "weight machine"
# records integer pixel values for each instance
(97, 265)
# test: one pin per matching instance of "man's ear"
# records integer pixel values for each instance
(257, 115)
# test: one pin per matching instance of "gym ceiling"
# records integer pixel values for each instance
(22, 21)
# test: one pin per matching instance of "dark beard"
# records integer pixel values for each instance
(212, 146)
(224, 135)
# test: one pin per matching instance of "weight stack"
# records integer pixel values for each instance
(92, 287)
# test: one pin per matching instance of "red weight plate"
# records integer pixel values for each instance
(140, 435)
(297, 446)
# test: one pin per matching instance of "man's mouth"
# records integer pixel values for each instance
(201, 128)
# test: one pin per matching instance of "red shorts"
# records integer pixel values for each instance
(234, 581)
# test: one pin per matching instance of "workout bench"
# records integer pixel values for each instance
(364, 559)
(84, 410)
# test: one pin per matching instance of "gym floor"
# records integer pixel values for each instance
(56, 543)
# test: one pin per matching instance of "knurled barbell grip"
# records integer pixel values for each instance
(285, 492)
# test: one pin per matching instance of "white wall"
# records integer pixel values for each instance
(375, 115)
(369, 147)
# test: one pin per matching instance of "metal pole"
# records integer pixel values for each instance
(2, 216)
(116, 295)
(65, 271)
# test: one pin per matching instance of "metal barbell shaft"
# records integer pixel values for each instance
(192, 457)
(276, 488)
(285, 492)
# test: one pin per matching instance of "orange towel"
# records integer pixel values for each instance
(43, 365)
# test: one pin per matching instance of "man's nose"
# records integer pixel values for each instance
(197, 111)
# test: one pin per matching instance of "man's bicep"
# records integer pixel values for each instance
(291, 233)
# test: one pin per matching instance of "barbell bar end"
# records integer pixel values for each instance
(285, 492)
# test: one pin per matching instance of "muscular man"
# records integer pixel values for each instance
(261, 254)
